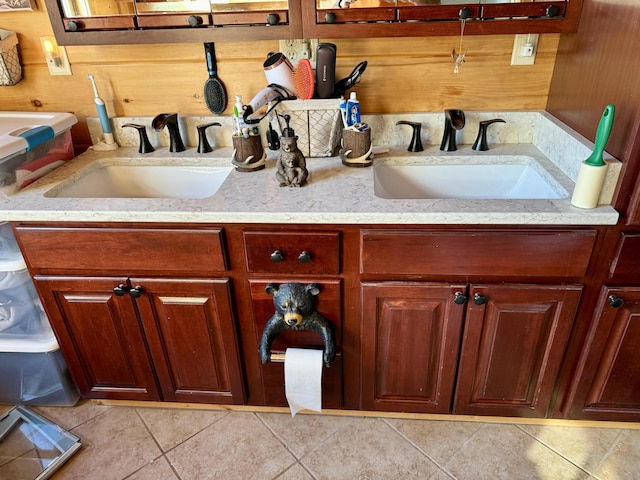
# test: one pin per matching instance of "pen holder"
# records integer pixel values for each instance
(356, 148)
(248, 154)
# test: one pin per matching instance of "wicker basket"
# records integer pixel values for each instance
(10, 68)
(317, 124)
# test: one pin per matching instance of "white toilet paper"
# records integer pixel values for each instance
(303, 379)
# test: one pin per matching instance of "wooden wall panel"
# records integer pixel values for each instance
(404, 74)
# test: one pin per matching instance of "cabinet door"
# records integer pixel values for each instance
(609, 385)
(410, 342)
(190, 329)
(513, 343)
(100, 337)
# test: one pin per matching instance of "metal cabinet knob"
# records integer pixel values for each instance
(330, 17)
(552, 11)
(304, 257)
(273, 19)
(195, 21)
(74, 25)
(136, 292)
(120, 290)
(459, 298)
(276, 256)
(615, 301)
(479, 299)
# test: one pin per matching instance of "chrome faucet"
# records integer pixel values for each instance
(453, 120)
(170, 120)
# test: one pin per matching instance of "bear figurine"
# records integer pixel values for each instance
(295, 310)
(292, 166)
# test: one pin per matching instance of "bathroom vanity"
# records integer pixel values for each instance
(464, 306)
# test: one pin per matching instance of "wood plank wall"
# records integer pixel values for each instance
(404, 74)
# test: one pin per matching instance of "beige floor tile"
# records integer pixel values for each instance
(71, 417)
(297, 472)
(172, 426)
(114, 445)
(505, 452)
(367, 448)
(304, 432)
(623, 461)
(159, 469)
(438, 439)
(239, 446)
(584, 446)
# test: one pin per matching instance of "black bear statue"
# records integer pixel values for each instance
(296, 310)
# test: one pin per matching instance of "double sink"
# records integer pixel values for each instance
(419, 177)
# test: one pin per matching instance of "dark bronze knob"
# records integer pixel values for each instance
(479, 299)
(195, 20)
(464, 13)
(273, 19)
(330, 17)
(459, 298)
(136, 292)
(120, 290)
(304, 257)
(277, 256)
(615, 301)
(74, 25)
(552, 11)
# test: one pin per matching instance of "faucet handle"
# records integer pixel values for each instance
(145, 144)
(481, 140)
(203, 143)
(416, 141)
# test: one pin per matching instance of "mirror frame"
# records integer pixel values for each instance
(305, 25)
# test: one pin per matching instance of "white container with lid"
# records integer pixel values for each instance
(31, 145)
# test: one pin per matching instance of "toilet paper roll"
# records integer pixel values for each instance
(303, 379)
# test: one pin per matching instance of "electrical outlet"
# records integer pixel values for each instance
(524, 49)
(295, 49)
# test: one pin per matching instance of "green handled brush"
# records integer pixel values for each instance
(602, 136)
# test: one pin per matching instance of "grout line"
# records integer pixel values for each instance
(608, 453)
(409, 441)
(549, 447)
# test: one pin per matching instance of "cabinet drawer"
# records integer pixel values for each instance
(323, 249)
(476, 252)
(135, 250)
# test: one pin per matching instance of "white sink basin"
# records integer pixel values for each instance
(464, 181)
(144, 181)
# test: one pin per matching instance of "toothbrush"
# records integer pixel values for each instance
(102, 114)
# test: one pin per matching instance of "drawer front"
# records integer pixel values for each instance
(476, 252)
(135, 250)
(323, 249)
(626, 263)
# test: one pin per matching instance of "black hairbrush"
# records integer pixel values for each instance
(215, 96)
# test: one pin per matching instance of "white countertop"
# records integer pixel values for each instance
(334, 194)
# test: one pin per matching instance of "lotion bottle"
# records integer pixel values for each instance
(353, 110)
(594, 170)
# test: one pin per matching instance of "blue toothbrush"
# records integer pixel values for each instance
(102, 114)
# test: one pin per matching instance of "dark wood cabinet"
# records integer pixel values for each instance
(148, 336)
(101, 337)
(410, 345)
(300, 256)
(512, 348)
(608, 386)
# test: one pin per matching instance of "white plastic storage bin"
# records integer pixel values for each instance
(8, 246)
(21, 314)
(33, 372)
(32, 145)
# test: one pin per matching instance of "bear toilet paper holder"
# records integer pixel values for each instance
(295, 310)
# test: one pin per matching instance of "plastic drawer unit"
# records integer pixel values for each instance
(32, 370)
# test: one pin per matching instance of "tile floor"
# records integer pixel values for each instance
(133, 443)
